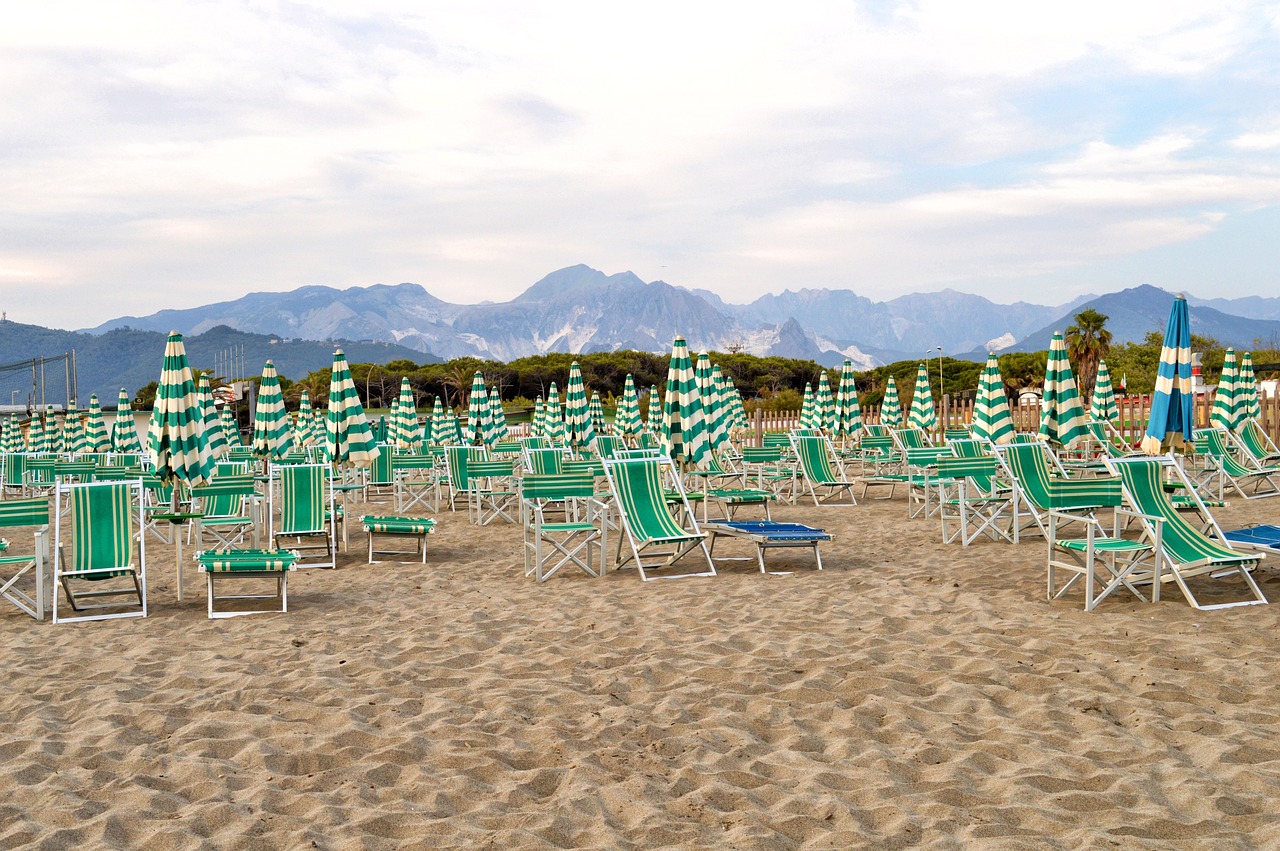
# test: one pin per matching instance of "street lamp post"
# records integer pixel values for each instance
(942, 393)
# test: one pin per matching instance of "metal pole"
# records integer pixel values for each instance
(75, 379)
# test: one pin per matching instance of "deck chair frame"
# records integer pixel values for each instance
(648, 526)
(34, 514)
(307, 512)
(563, 524)
(106, 541)
(816, 465)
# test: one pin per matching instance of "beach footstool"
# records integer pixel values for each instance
(247, 564)
(416, 528)
(765, 534)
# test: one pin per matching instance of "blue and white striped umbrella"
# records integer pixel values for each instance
(1171, 405)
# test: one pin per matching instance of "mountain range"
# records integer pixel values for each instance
(580, 309)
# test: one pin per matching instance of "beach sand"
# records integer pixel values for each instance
(912, 694)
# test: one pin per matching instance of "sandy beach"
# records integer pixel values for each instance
(912, 694)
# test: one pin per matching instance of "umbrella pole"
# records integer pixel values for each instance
(176, 526)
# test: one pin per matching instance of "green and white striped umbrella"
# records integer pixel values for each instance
(452, 429)
(824, 405)
(727, 402)
(922, 414)
(272, 435)
(36, 439)
(11, 436)
(176, 440)
(479, 417)
(347, 434)
(96, 437)
(73, 433)
(434, 426)
(539, 417)
(305, 429)
(891, 406)
(848, 414)
(552, 418)
(1226, 402)
(739, 409)
(1247, 391)
(684, 426)
(55, 431)
(501, 431)
(1062, 418)
(992, 418)
(212, 422)
(124, 431)
(404, 420)
(654, 410)
(598, 423)
(713, 414)
(230, 431)
(577, 411)
(1103, 404)
(806, 407)
(626, 422)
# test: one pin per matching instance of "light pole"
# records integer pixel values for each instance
(942, 393)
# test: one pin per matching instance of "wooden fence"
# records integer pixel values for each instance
(954, 413)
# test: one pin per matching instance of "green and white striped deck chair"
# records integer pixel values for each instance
(715, 488)
(39, 478)
(956, 433)
(609, 445)
(973, 501)
(1256, 441)
(1185, 551)
(381, 477)
(876, 430)
(25, 580)
(1040, 486)
(536, 441)
(492, 491)
(222, 566)
(457, 461)
(544, 462)
(228, 508)
(15, 474)
(911, 438)
(822, 476)
(1106, 562)
(306, 512)
(888, 466)
(648, 441)
(1223, 466)
(923, 482)
(648, 524)
(106, 543)
(418, 479)
(765, 466)
(563, 524)
(1026, 438)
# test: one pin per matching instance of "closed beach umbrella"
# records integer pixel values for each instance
(1103, 404)
(806, 407)
(654, 410)
(452, 429)
(717, 430)
(272, 437)
(598, 422)
(73, 433)
(124, 431)
(434, 428)
(848, 414)
(230, 431)
(306, 427)
(536, 425)
(212, 422)
(824, 404)
(96, 437)
(726, 417)
(479, 417)
(347, 434)
(684, 427)
(176, 440)
(577, 410)
(1171, 404)
(404, 424)
(992, 419)
(36, 441)
(553, 420)
(891, 406)
(498, 416)
(11, 437)
(1062, 418)
(626, 422)
(922, 413)
(1247, 390)
(1227, 410)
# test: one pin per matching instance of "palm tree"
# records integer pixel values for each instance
(1088, 342)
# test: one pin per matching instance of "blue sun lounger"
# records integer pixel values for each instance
(767, 533)
(1256, 537)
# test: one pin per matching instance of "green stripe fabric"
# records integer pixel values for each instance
(824, 405)
(684, 428)
(545, 462)
(626, 422)
(553, 418)
(302, 498)
(498, 417)
(272, 437)
(643, 503)
(891, 406)
(234, 561)
(175, 439)
(848, 414)
(212, 421)
(992, 418)
(230, 431)
(598, 421)
(1062, 417)
(1103, 404)
(435, 426)
(816, 460)
(479, 417)
(1247, 389)
(714, 413)
(806, 407)
(1226, 405)
(103, 529)
(557, 487)
(96, 437)
(404, 422)
(1144, 484)
(653, 425)
(923, 415)
(348, 437)
(24, 512)
(398, 525)
(1046, 491)
(578, 429)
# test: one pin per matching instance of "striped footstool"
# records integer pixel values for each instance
(399, 527)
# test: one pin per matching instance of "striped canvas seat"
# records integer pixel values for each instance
(563, 524)
(398, 527)
(973, 500)
(222, 567)
(1041, 486)
(1224, 466)
(649, 526)
(305, 513)
(821, 475)
(1258, 443)
(23, 577)
(106, 545)
(1185, 551)
(226, 506)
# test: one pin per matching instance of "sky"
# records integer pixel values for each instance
(170, 154)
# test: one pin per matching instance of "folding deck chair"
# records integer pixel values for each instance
(239, 565)
(1100, 559)
(228, 508)
(816, 464)
(106, 544)
(1223, 466)
(650, 528)
(25, 581)
(1259, 445)
(381, 481)
(1041, 486)
(973, 499)
(563, 524)
(1185, 552)
(306, 513)
(491, 491)
(417, 481)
